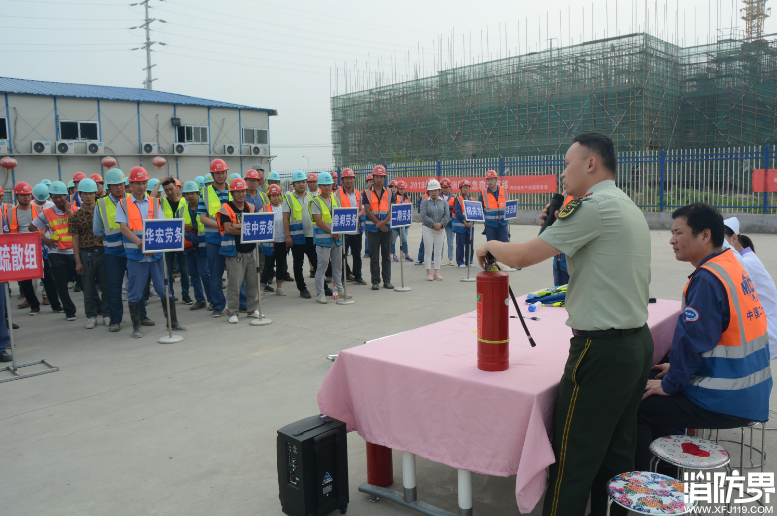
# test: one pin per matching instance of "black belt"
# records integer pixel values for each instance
(612, 333)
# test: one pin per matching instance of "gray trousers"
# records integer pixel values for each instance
(327, 255)
(95, 271)
(239, 268)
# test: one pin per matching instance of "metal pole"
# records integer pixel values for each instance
(10, 325)
(661, 183)
(170, 339)
(262, 321)
(468, 253)
(149, 80)
(402, 288)
(345, 300)
(766, 175)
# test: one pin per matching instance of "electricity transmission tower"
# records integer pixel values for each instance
(148, 83)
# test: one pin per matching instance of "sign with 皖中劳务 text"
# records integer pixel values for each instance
(257, 227)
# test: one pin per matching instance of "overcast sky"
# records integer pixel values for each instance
(282, 55)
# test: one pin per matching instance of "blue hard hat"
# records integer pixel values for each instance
(325, 178)
(70, 184)
(190, 187)
(151, 184)
(41, 191)
(233, 175)
(200, 180)
(46, 182)
(126, 181)
(58, 188)
(274, 176)
(208, 179)
(87, 185)
(114, 177)
(298, 175)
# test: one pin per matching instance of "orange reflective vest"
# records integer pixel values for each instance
(345, 201)
(135, 223)
(228, 242)
(382, 205)
(13, 223)
(494, 208)
(59, 228)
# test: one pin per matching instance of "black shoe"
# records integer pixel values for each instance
(198, 305)
(268, 288)
(327, 291)
(145, 321)
(217, 313)
(173, 317)
(305, 294)
(187, 300)
(76, 289)
(15, 326)
(288, 277)
(388, 285)
(34, 311)
(349, 277)
(5, 356)
(359, 281)
(114, 327)
(312, 274)
(376, 286)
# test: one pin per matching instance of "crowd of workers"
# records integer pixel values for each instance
(91, 233)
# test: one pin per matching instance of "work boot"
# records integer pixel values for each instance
(173, 317)
(145, 321)
(114, 327)
(134, 310)
(197, 305)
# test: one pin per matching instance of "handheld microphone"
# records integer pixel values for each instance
(555, 204)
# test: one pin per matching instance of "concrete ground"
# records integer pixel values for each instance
(131, 427)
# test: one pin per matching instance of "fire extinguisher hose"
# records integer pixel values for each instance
(490, 260)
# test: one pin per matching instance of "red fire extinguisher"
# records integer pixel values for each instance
(493, 320)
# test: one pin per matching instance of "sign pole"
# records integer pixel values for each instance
(468, 253)
(262, 321)
(10, 325)
(403, 288)
(170, 339)
(344, 300)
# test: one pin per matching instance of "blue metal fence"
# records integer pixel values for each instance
(656, 180)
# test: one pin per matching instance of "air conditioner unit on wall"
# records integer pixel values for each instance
(149, 147)
(258, 150)
(40, 147)
(180, 148)
(65, 147)
(4, 147)
(95, 148)
(232, 150)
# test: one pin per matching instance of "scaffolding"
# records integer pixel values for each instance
(645, 93)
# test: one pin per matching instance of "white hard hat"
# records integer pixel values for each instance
(433, 184)
(733, 224)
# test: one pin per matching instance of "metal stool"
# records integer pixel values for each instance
(648, 493)
(687, 452)
(762, 452)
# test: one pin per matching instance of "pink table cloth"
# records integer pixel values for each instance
(421, 392)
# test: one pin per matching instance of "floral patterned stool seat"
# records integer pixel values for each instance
(689, 452)
(648, 493)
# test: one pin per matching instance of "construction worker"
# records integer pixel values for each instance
(141, 266)
(71, 189)
(262, 185)
(98, 179)
(89, 254)
(105, 226)
(605, 236)
(276, 250)
(6, 208)
(41, 199)
(349, 197)
(494, 199)
(274, 178)
(461, 227)
(55, 220)
(327, 245)
(240, 258)
(215, 195)
(208, 180)
(377, 201)
(21, 216)
(445, 195)
(152, 187)
(298, 228)
(363, 221)
(313, 184)
(255, 196)
(173, 206)
(75, 199)
(195, 247)
(402, 198)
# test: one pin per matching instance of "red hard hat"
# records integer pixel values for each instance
(401, 185)
(465, 183)
(491, 173)
(237, 184)
(445, 182)
(138, 174)
(347, 172)
(369, 177)
(333, 174)
(393, 182)
(380, 170)
(97, 178)
(313, 178)
(274, 190)
(2, 192)
(22, 188)
(218, 165)
(252, 174)
(78, 176)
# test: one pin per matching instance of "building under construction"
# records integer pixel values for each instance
(643, 92)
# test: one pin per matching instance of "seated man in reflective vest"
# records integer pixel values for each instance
(718, 374)
(494, 200)
(140, 265)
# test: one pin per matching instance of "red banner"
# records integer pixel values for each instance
(765, 180)
(513, 184)
(20, 256)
